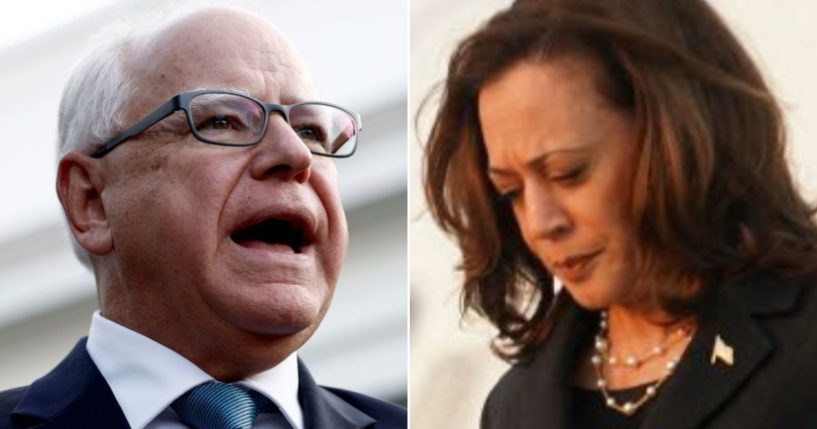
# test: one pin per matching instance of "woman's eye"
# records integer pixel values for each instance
(571, 176)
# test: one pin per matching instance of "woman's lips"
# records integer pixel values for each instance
(574, 269)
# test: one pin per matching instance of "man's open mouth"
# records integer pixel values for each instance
(291, 233)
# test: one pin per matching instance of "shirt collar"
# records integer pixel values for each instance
(146, 377)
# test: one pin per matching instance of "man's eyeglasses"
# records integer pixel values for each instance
(230, 119)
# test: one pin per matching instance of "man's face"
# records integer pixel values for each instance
(235, 242)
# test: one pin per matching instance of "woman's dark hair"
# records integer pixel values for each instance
(711, 198)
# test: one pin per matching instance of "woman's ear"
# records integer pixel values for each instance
(79, 187)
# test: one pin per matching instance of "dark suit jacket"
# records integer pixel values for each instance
(771, 326)
(75, 395)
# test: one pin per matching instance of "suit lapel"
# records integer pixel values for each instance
(547, 378)
(323, 409)
(72, 395)
(701, 384)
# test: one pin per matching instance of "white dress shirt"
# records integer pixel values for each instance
(146, 377)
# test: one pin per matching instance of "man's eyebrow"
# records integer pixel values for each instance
(229, 89)
(284, 99)
(538, 160)
(295, 99)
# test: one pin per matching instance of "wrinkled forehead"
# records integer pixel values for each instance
(217, 48)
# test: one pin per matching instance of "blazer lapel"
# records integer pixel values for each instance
(704, 379)
(323, 409)
(72, 395)
(547, 399)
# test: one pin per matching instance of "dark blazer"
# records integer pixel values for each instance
(75, 395)
(771, 326)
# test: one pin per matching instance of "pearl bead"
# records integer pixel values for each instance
(602, 355)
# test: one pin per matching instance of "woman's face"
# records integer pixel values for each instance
(562, 156)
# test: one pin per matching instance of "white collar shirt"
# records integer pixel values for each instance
(146, 377)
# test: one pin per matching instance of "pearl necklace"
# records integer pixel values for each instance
(601, 356)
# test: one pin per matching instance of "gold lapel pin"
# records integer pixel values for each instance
(722, 352)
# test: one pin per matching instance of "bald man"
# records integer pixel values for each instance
(200, 188)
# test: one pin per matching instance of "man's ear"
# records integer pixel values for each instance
(79, 187)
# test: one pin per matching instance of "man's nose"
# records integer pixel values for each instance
(281, 153)
(545, 215)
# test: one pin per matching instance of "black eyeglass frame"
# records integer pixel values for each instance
(181, 101)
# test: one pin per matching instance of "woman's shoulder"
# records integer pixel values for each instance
(507, 400)
(768, 294)
(534, 388)
(513, 381)
(767, 323)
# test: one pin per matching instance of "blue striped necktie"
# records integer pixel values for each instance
(215, 405)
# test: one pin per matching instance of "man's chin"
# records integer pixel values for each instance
(269, 307)
(278, 322)
(280, 329)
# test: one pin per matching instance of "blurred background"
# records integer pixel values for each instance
(452, 369)
(356, 51)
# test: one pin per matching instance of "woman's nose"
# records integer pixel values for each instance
(545, 217)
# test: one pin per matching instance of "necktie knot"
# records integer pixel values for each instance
(215, 405)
